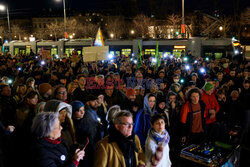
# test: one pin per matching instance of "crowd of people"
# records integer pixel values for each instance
(119, 112)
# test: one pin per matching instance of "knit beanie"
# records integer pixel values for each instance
(208, 86)
(43, 88)
(129, 92)
(76, 105)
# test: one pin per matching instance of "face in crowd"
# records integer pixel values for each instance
(125, 127)
(195, 97)
(159, 126)
(151, 101)
(80, 113)
(62, 94)
(56, 132)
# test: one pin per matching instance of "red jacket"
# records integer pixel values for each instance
(211, 103)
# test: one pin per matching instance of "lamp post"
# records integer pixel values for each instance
(2, 8)
(182, 20)
(65, 20)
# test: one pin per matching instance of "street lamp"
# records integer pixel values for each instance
(112, 35)
(220, 28)
(2, 8)
(65, 21)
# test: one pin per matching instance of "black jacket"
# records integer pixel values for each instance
(46, 154)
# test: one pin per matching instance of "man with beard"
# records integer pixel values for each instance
(130, 102)
(122, 147)
(91, 124)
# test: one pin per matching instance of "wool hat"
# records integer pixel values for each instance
(208, 86)
(76, 105)
(43, 88)
(129, 92)
(91, 97)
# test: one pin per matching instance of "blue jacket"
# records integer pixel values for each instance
(142, 121)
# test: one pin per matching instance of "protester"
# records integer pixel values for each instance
(48, 148)
(121, 147)
(192, 118)
(65, 114)
(156, 147)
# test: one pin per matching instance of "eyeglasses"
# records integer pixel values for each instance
(127, 124)
(62, 93)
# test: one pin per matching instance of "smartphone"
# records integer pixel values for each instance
(83, 146)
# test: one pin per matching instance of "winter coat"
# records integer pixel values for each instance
(142, 121)
(7, 110)
(187, 117)
(211, 104)
(68, 131)
(46, 154)
(108, 154)
(151, 149)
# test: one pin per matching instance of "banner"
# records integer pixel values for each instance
(139, 56)
(99, 38)
(157, 56)
(95, 53)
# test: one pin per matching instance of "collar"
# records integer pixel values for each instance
(56, 141)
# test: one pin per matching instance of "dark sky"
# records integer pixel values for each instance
(24, 6)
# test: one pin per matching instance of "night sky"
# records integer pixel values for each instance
(27, 6)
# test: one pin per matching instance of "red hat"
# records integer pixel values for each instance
(130, 91)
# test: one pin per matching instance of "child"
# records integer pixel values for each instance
(156, 147)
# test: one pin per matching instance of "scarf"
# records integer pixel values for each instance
(126, 145)
(159, 138)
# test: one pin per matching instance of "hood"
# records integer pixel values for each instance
(56, 106)
(146, 107)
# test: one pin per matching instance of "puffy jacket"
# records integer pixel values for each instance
(211, 103)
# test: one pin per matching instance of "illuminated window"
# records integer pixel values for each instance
(150, 52)
(126, 52)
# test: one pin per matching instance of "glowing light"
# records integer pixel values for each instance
(42, 62)
(19, 68)
(110, 56)
(132, 31)
(236, 52)
(165, 55)
(171, 56)
(36, 57)
(207, 59)
(187, 67)
(195, 61)
(202, 70)
(57, 56)
(135, 61)
(220, 28)
(182, 81)
(10, 81)
(153, 60)
(185, 58)
(112, 35)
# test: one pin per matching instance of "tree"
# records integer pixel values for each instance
(40, 34)
(226, 23)
(116, 26)
(56, 29)
(74, 27)
(174, 20)
(89, 30)
(142, 24)
(16, 30)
